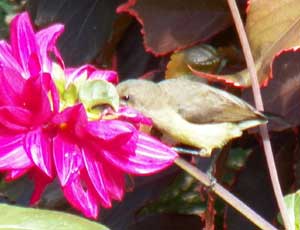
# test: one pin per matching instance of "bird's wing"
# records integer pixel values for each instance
(200, 103)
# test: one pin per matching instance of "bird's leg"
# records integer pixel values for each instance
(186, 151)
(195, 152)
(214, 158)
(211, 170)
(202, 152)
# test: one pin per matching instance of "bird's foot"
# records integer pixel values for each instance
(205, 152)
(212, 182)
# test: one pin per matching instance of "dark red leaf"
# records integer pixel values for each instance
(132, 59)
(168, 221)
(88, 25)
(123, 214)
(281, 96)
(170, 25)
(253, 185)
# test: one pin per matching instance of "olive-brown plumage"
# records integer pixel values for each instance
(191, 112)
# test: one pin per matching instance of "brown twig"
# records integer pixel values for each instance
(225, 195)
(259, 105)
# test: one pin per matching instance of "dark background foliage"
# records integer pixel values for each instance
(141, 45)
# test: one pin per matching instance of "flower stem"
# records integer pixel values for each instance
(259, 105)
(225, 195)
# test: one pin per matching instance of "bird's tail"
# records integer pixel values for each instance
(243, 125)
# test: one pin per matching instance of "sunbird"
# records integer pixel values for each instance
(191, 112)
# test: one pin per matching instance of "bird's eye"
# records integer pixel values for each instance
(125, 98)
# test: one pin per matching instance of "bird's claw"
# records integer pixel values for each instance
(212, 182)
(204, 152)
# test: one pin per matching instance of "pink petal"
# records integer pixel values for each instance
(40, 182)
(46, 40)
(50, 89)
(73, 73)
(95, 172)
(81, 199)
(38, 147)
(74, 119)
(114, 181)
(12, 153)
(15, 118)
(23, 41)
(116, 137)
(150, 156)
(149, 146)
(108, 130)
(15, 174)
(67, 159)
(92, 73)
(34, 65)
(11, 87)
(107, 75)
(133, 116)
(37, 99)
(6, 57)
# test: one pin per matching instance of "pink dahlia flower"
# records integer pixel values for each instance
(41, 137)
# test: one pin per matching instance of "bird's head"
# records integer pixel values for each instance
(140, 94)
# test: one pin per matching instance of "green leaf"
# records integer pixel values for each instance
(59, 78)
(292, 202)
(237, 158)
(69, 96)
(7, 10)
(94, 93)
(6, 6)
(13, 217)
(293, 205)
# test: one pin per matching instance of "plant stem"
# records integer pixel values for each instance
(225, 195)
(259, 105)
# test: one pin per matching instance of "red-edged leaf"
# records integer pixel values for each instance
(281, 96)
(171, 25)
(269, 31)
(240, 79)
